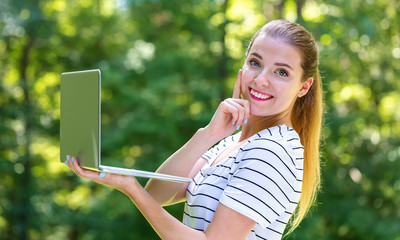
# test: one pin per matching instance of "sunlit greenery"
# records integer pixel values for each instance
(166, 64)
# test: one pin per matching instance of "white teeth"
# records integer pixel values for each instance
(259, 95)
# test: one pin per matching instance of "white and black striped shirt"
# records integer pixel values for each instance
(261, 180)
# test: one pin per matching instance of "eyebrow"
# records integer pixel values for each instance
(283, 65)
(276, 64)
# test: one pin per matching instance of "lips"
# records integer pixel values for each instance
(259, 96)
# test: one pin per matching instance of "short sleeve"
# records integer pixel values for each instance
(264, 183)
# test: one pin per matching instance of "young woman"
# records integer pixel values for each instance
(250, 184)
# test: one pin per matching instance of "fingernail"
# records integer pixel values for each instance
(238, 127)
(72, 159)
(66, 164)
(102, 174)
(245, 121)
(239, 72)
(67, 158)
(233, 123)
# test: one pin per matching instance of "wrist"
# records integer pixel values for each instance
(130, 187)
(209, 136)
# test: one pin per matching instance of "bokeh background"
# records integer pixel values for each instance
(166, 65)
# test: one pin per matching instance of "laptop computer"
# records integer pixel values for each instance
(80, 125)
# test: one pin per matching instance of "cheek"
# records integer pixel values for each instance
(248, 76)
(288, 91)
(296, 89)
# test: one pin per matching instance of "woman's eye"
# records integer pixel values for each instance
(254, 63)
(282, 73)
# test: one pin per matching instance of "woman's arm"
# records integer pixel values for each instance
(185, 162)
(226, 224)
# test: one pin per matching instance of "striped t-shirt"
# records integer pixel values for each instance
(261, 180)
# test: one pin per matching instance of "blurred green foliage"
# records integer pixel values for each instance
(165, 67)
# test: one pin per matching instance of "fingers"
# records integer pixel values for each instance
(81, 172)
(239, 110)
(242, 106)
(236, 89)
(119, 182)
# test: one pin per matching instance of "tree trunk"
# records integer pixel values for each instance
(223, 72)
(300, 4)
(25, 160)
(281, 6)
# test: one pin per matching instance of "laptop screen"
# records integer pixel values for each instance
(80, 117)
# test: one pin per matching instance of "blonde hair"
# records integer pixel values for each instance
(306, 115)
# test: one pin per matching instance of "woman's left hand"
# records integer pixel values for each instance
(119, 182)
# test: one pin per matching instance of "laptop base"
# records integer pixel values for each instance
(145, 174)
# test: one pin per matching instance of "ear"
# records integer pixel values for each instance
(305, 86)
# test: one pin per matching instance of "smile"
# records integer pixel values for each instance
(259, 96)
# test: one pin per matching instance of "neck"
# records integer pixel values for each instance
(256, 124)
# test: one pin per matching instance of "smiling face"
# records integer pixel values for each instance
(271, 78)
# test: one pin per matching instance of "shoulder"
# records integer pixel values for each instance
(266, 179)
(276, 145)
(275, 138)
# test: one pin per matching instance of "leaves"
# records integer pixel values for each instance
(165, 66)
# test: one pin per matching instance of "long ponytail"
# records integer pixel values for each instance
(307, 121)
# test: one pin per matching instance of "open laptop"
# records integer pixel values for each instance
(80, 125)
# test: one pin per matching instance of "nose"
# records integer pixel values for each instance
(262, 79)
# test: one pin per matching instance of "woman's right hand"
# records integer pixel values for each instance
(119, 182)
(231, 114)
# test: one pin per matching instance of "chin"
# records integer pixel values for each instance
(261, 114)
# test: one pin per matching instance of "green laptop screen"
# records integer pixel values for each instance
(80, 117)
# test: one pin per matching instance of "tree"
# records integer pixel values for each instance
(165, 66)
